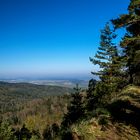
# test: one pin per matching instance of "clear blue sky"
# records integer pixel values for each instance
(52, 37)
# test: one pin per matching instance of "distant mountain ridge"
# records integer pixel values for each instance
(32, 89)
(58, 82)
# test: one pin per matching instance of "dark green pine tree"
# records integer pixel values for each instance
(25, 133)
(51, 132)
(76, 109)
(107, 58)
(131, 40)
(91, 98)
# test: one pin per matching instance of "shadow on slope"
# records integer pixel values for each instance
(126, 108)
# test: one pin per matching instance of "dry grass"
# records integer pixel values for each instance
(132, 89)
(91, 130)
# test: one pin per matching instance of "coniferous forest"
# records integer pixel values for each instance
(109, 109)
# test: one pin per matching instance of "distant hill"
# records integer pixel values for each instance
(31, 104)
(29, 89)
(15, 95)
(53, 82)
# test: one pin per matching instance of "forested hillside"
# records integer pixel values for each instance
(36, 106)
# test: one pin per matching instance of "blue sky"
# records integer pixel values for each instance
(52, 38)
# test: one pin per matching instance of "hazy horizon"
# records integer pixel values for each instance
(47, 77)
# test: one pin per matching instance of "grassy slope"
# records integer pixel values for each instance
(123, 121)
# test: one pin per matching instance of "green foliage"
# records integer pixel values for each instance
(90, 95)
(25, 133)
(100, 96)
(13, 96)
(111, 70)
(103, 120)
(6, 132)
(34, 137)
(107, 56)
(131, 40)
(66, 134)
(51, 132)
(36, 112)
(75, 109)
(101, 111)
(111, 73)
(17, 101)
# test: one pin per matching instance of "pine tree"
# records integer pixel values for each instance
(108, 59)
(76, 108)
(91, 99)
(131, 40)
(25, 133)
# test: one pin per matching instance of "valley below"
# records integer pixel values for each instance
(33, 105)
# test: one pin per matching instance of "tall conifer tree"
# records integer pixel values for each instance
(107, 57)
(110, 73)
(75, 109)
(131, 40)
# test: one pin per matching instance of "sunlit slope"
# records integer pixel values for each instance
(119, 121)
